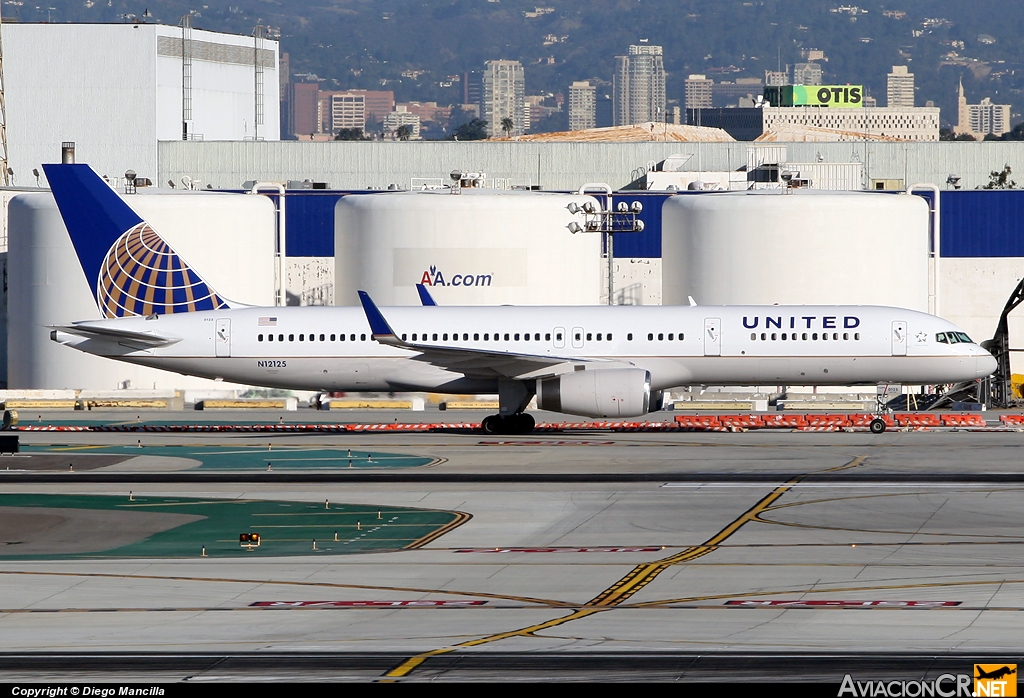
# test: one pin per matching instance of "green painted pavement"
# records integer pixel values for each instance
(239, 457)
(286, 528)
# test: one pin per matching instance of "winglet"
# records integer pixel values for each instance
(378, 325)
(425, 297)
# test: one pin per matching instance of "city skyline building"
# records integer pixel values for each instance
(806, 74)
(503, 95)
(638, 86)
(900, 88)
(582, 105)
(979, 120)
(698, 91)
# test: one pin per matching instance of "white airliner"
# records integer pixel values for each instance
(593, 361)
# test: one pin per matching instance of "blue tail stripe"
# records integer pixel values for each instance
(425, 297)
(93, 213)
(378, 325)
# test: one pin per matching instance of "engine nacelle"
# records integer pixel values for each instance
(610, 392)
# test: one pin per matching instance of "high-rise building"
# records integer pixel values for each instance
(472, 85)
(979, 120)
(638, 91)
(698, 92)
(776, 78)
(503, 97)
(348, 110)
(402, 117)
(304, 119)
(582, 106)
(900, 88)
(806, 74)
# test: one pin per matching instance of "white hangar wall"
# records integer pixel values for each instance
(476, 248)
(807, 247)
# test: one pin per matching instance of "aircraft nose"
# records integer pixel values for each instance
(985, 365)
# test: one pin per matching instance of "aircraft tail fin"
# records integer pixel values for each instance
(130, 268)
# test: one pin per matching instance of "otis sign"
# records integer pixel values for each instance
(848, 96)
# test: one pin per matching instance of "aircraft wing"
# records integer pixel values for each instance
(140, 340)
(473, 363)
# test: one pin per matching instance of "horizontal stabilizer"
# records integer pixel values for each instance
(143, 340)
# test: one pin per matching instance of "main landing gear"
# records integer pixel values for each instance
(513, 397)
(521, 423)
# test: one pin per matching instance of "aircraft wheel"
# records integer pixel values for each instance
(492, 424)
(877, 425)
(524, 423)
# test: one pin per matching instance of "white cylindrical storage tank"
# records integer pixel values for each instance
(475, 248)
(227, 238)
(801, 248)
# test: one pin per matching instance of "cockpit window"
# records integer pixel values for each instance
(953, 338)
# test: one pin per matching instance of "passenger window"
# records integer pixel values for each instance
(764, 336)
(333, 337)
(547, 336)
(435, 336)
(774, 336)
(670, 336)
(487, 336)
(362, 337)
(609, 336)
(629, 337)
(835, 335)
(753, 335)
(280, 337)
(321, 338)
(661, 337)
(650, 337)
(517, 336)
(589, 336)
(814, 336)
(352, 338)
(341, 338)
(846, 335)
(805, 336)
(476, 337)
(302, 338)
(259, 338)
(270, 338)
(403, 337)
(536, 336)
(578, 336)
(558, 336)
(783, 336)
(506, 336)
(599, 336)
(291, 338)
(856, 335)
(465, 336)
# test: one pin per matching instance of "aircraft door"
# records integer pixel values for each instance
(559, 333)
(712, 336)
(899, 338)
(577, 337)
(222, 337)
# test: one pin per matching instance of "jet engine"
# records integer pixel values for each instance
(611, 392)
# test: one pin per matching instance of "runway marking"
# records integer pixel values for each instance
(274, 582)
(635, 580)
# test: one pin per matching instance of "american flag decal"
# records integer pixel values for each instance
(267, 322)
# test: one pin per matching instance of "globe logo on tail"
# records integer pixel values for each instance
(142, 275)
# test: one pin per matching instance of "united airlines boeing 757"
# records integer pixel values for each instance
(593, 361)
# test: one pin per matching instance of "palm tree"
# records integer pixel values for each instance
(507, 125)
(404, 132)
